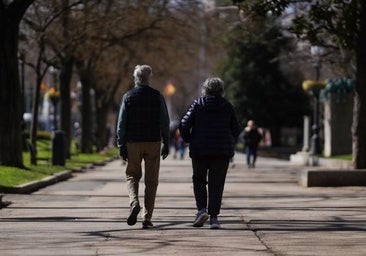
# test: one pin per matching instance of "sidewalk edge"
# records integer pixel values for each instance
(35, 185)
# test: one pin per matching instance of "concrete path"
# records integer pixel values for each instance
(264, 212)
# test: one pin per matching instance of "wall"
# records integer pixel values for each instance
(338, 110)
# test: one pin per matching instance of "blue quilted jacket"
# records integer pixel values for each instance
(210, 127)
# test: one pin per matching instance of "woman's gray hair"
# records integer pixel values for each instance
(142, 74)
(213, 86)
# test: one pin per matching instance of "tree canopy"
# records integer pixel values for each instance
(257, 87)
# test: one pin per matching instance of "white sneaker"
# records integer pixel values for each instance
(214, 223)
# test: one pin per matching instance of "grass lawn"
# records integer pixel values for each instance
(343, 157)
(11, 176)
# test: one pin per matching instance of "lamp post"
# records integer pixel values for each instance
(54, 95)
(315, 142)
(316, 53)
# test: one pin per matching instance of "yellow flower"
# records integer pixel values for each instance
(311, 85)
(52, 94)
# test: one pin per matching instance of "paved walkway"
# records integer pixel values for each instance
(264, 212)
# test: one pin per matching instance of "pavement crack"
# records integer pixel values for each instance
(258, 236)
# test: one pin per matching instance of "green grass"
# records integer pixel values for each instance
(347, 157)
(11, 176)
(78, 160)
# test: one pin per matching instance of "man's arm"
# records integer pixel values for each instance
(164, 121)
(122, 124)
(164, 127)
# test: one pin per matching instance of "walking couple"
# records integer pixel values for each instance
(209, 126)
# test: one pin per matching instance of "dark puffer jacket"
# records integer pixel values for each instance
(143, 114)
(210, 127)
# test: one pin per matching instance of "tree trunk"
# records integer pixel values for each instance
(67, 64)
(65, 78)
(36, 101)
(10, 96)
(359, 112)
(34, 124)
(87, 137)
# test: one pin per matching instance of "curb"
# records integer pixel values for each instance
(308, 160)
(332, 178)
(50, 180)
(35, 185)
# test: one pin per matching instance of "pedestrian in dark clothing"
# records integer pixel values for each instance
(179, 145)
(252, 137)
(143, 121)
(211, 129)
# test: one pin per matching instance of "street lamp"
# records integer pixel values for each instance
(316, 53)
(169, 90)
(53, 95)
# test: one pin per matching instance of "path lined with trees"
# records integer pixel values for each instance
(99, 42)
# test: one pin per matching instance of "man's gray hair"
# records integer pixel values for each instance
(142, 74)
(213, 86)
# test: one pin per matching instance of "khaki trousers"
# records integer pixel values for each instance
(150, 153)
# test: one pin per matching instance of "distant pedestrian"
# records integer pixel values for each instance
(143, 121)
(211, 129)
(252, 137)
(77, 137)
(179, 145)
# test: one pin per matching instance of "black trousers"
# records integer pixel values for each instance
(211, 172)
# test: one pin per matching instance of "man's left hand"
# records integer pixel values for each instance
(165, 151)
(123, 152)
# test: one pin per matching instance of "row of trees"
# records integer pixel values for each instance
(100, 41)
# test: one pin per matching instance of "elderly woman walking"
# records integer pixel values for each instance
(211, 129)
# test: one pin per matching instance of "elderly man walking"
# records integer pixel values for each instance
(143, 123)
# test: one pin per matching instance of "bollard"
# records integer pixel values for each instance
(58, 148)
